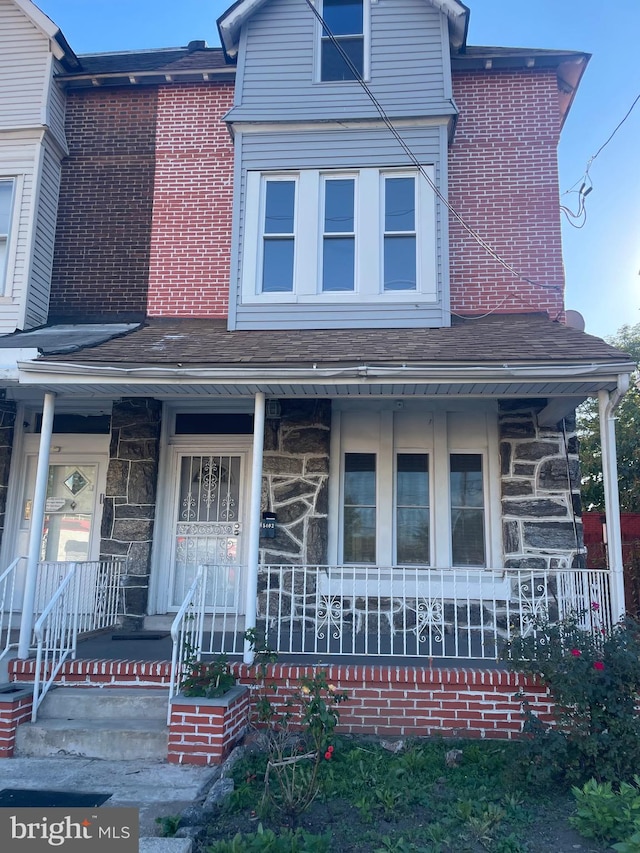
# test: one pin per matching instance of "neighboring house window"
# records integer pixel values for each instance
(278, 236)
(344, 20)
(6, 204)
(467, 510)
(366, 235)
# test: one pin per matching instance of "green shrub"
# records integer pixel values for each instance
(207, 680)
(594, 678)
(606, 814)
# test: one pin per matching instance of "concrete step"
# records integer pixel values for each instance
(115, 739)
(95, 703)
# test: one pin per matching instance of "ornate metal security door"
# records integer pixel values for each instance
(209, 526)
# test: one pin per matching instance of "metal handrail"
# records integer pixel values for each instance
(7, 603)
(187, 631)
(56, 631)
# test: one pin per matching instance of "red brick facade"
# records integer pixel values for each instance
(503, 180)
(14, 709)
(203, 731)
(101, 259)
(193, 201)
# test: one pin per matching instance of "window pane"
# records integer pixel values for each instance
(6, 193)
(413, 535)
(279, 208)
(343, 17)
(399, 263)
(334, 66)
(360, 479)
(338, 206)
(466, 480)
(467, 537)
(412, 508)
(338, 263)
(277, 266)
(467, 510)
(413, 479)
(399, 204)
(359, 534)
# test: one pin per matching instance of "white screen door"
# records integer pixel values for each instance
(208, 526)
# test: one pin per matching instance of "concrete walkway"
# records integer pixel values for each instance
(156, 788)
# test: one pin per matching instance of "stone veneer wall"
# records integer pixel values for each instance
(538, 501)
(7, 425)
(130, 499)
(295, 482)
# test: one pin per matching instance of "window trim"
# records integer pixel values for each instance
(308, 237)
(366, 47)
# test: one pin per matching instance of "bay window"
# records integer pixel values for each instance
(338, 236)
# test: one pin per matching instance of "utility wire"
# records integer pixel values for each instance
(586, 185)
(414, 160)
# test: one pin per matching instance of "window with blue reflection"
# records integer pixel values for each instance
(400, 268)
(279, 238)
(338, 251)
(344, 19)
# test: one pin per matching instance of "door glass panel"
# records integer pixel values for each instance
(208, 526)
(69, 509)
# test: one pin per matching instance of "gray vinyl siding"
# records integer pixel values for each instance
(45, 230)
(341, 149)
(409, 74)
(24, 69)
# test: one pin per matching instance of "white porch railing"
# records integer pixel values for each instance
(86, 600)
(208, 622)
(400, 612)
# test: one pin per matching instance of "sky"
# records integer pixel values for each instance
(602, 260)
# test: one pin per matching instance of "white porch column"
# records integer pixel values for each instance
(607, 404)
(37, 521)
(253, 549)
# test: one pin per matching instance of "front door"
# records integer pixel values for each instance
(208, 526)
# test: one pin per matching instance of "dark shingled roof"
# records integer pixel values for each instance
(499, 338)
(163, 60)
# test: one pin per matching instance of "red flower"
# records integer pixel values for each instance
(329, 749)
(327, 755)
(576, 653)
(598, 665)
(595, 606)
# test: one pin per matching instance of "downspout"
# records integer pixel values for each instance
(253, 548)
(607, 404)
(37, 521)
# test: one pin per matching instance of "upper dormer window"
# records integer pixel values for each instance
(344, 20)
(6, 203)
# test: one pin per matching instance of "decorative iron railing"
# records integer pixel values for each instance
(87, 599)
(399, 612)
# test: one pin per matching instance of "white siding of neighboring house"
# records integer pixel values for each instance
(30, 153)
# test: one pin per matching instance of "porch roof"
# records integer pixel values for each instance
(504, 355)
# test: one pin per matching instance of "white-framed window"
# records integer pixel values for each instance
(347, 22)
(414, 487)
(7, 193)
(278, 235)
(339, 236)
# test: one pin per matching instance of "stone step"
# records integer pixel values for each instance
(165, 845)
(95, 703)
(116, 739)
